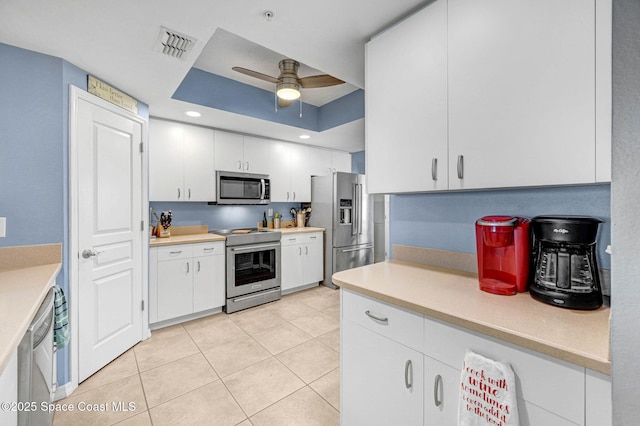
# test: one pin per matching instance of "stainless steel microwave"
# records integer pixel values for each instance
(242, 188)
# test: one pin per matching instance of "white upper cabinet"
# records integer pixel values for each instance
(181, 160)
(340, 161)
(198, 160)
(521, 93)
(406, 104)
(238, 153)
(290, 172)
(323, 162)
(469, 94)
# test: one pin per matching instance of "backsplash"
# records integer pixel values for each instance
(221, 217)
(445, 221)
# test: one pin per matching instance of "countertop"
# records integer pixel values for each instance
(182, 235)
(579, 337)
(185, 239)
(22, 290)
(295, 230)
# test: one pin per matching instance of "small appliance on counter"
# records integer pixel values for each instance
(502, 244)
(563, 260)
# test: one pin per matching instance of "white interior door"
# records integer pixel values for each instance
(109, 234)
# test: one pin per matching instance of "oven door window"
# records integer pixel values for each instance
(254, 267)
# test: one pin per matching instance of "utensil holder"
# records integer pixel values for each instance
(300, 219)
(161, 232)
(276, 223)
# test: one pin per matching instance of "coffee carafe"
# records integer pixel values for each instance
(564, 268)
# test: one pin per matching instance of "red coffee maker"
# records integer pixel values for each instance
(502, 244)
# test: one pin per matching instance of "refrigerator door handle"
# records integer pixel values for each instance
(358, 249)
(360, 209)
(354, 213)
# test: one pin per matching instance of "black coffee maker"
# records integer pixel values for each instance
(564, 271)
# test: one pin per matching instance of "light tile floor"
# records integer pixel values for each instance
(275, 364)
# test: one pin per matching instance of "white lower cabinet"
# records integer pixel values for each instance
(382, 380)
(549, 391)
(441, 384)
(185, 279)
(302, 260)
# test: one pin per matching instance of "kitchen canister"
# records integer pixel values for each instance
(300, 219)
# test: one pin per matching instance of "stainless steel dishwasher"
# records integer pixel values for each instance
(36, 366)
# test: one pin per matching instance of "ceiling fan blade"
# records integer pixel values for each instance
(323, 80)
(256, 74)
(283, 103)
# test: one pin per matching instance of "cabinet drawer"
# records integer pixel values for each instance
(178, 251)
(290, 240)
(556, 385)
(208, 249)
(302, 238)
(396, 323)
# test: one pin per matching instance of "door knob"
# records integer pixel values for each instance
(88, 253)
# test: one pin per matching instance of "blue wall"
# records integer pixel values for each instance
(220, 217)
(31, 139)
(446, 220)
(34, 164)
(358, 162)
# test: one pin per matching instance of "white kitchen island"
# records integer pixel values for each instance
(405, 329)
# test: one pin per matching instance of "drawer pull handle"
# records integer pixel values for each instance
(384, 320)
(175, 252)
(209, 248)
(408, 374)
(437, 386)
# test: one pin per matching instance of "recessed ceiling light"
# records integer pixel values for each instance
(193, 113)
(305, 136)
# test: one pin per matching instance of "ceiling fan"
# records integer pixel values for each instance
(288, 84)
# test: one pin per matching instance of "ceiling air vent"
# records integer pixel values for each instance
(174, 44)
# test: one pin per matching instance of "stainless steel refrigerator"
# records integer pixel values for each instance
(341, 205)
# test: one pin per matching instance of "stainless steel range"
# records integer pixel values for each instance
(253, 267)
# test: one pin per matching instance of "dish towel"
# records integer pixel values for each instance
(61, 332)
(487, 393)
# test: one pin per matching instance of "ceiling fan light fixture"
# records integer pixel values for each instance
(288, 91)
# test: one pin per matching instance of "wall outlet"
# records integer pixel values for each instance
(3, 227)
(269, 212)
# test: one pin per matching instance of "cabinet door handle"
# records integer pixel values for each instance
(294, 195)
(460, 167)
(408, 374)
(434, 169)
(179, 193)
(239, 165)
(187, 267)
(247, 166)
(189, 193)
(299, 251)
(198, 266)
(437, 391)
(306, 250)
(287, 195)
(384, 320)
